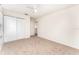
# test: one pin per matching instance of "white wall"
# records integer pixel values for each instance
(32, 27)
(27, 18)
(61, 26)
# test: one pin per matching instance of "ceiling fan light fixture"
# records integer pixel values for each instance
(35, 10)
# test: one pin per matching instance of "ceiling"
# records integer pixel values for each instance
(41, 9)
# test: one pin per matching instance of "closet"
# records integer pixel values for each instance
(15, 28)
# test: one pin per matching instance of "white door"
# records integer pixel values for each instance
(9, 29)
(1, 30)
(21, 28)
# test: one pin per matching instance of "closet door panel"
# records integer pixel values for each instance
(21, 28)
(10, 29)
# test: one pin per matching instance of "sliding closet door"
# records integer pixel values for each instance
(1, 28)
(9, 29)
(15, 28)
(21, 28)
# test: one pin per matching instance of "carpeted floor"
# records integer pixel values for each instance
(37, 46)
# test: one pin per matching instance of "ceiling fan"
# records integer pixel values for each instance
(33, 7)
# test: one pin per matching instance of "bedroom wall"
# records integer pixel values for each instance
(32, 27)
(61, 26)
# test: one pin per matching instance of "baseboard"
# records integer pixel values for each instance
(32, 35)
(62, 43)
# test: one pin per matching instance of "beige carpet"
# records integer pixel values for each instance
(36, 46)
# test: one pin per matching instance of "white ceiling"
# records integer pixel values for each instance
(42, 9)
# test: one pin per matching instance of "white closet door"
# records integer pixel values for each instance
(10, 29)
(1, 30)
(21, 28)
